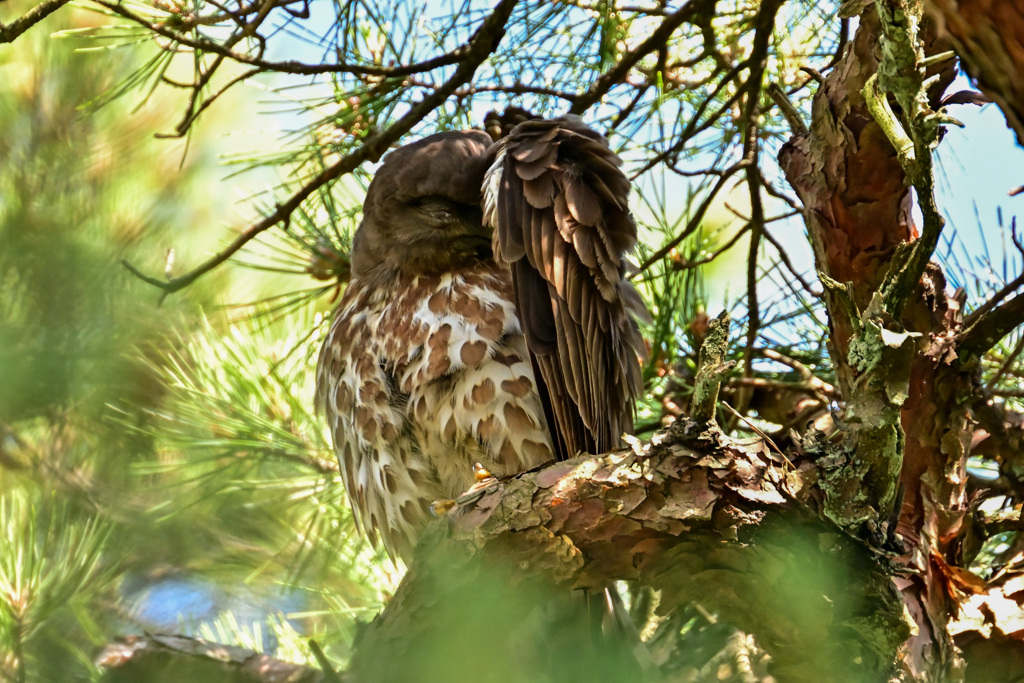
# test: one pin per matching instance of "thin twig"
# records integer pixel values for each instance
(687, 265)
(479, 47)
(760, 432)
(784, 257)
(617, 73)
(694, 127)
(515, 89)
(695, 220)
(9, 32)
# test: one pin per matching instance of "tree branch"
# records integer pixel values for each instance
(992, 327)
(694, 514)
(10, 32)
(695, 220)
(480, 46)
(654, 42)
(764, 27)
(456, 56)
(152, 657)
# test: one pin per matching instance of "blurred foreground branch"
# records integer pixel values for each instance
(164, 658)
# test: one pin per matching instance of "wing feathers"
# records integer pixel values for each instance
(535, 315)
(561, 219)
(582, 202)
(511, 241)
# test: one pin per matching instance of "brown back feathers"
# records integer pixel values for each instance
(558, 202)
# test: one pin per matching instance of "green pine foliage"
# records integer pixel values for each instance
(145, 446)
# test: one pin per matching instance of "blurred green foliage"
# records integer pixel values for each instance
(160, 465)
(100, 500)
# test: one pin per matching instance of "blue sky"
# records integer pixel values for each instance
(976, 169)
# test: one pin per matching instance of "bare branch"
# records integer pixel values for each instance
(982, 311)
(993, 326)
(784, 257)
(695, 219)
(654, 42)
(685, 264)
(456, 56)
(9, 32)
(694, 126)
(190, 116)
(764, 24)
(482, 44)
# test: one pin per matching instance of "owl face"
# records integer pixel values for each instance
(422, 211)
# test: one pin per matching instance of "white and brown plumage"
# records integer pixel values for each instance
(441, 356)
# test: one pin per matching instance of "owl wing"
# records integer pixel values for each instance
(558, 203)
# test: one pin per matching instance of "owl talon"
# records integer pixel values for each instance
(442, 507)
(480, 474)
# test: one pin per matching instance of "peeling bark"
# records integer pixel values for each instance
(729, 524)
(852, 186)
(857, 212)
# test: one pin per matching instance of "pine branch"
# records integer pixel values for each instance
(10, 32)
(479, 47)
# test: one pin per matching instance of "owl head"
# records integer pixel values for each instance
(422, 210)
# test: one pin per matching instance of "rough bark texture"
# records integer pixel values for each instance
(857, 212)
(989, 37)
(730, 525)
(854, 190)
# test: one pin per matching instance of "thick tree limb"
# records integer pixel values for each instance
(698, 516)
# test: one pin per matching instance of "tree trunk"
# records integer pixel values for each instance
(857, 208)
